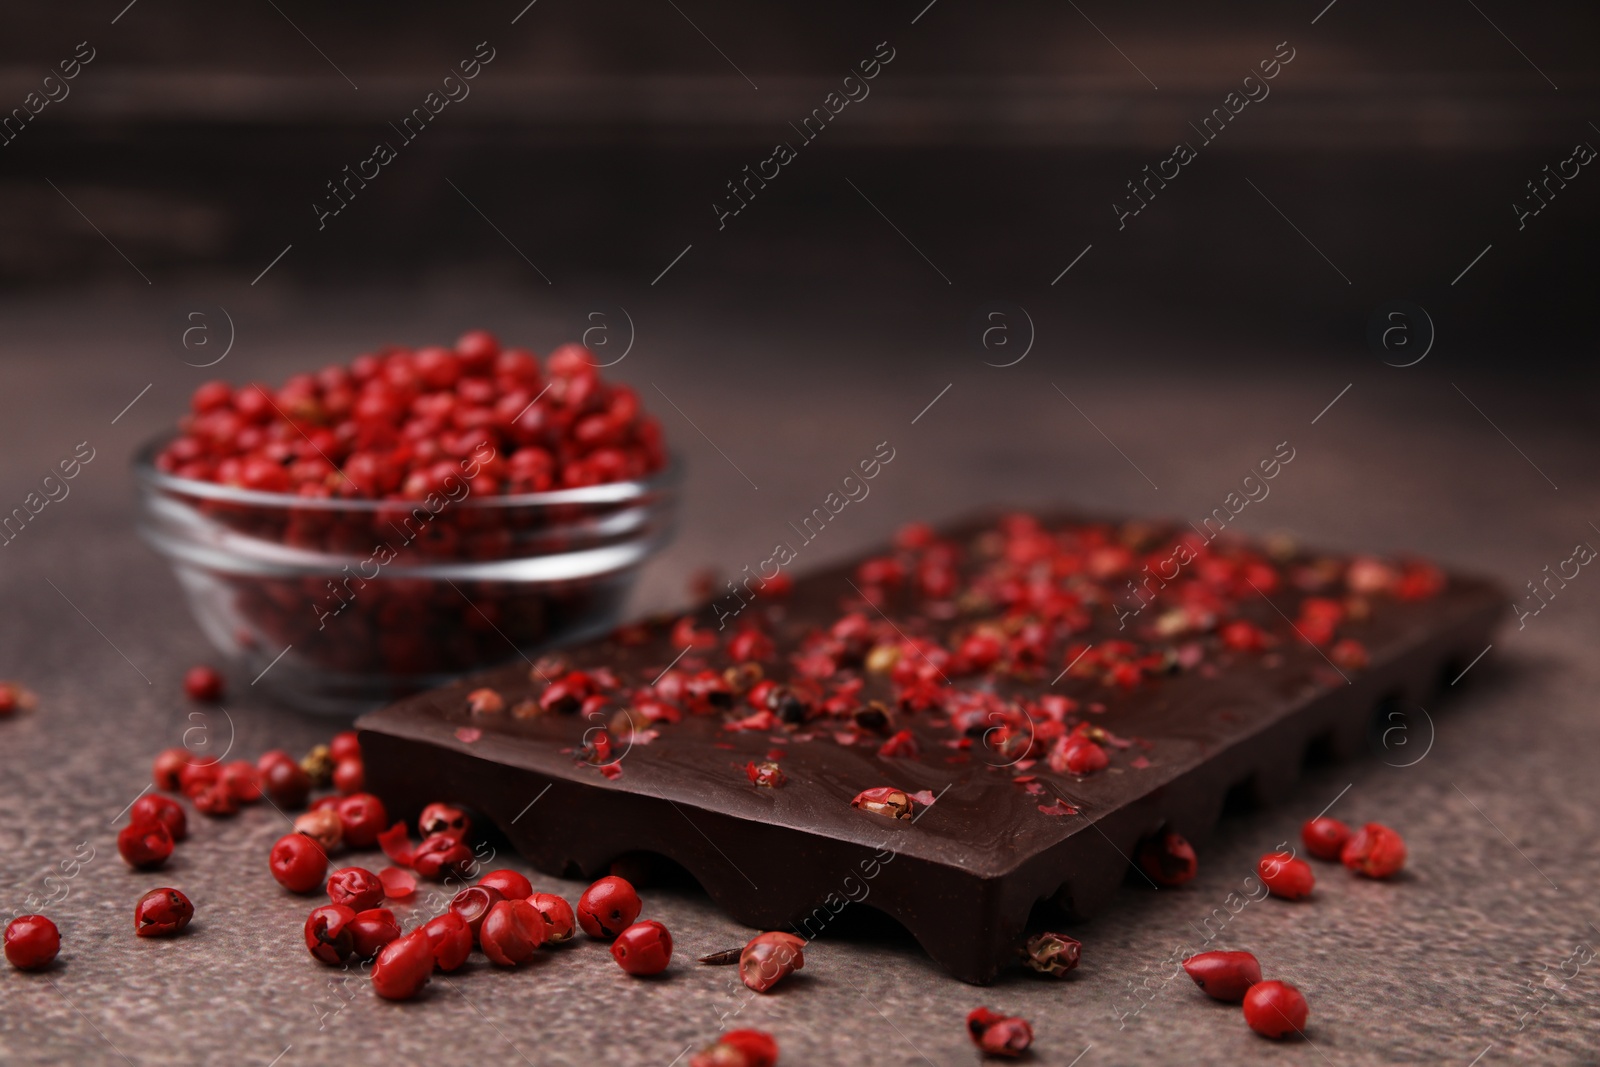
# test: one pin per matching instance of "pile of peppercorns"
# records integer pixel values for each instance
(396, 424)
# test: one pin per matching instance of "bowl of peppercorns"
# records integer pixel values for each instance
(370, 530)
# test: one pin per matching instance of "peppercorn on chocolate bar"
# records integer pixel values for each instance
(973, 722)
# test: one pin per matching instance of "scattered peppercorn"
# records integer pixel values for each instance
(770, 957)
(323, 826)
(169, 767)
(440, 856)
(511, 932)
(511, 884)
(558, 917)
(1375, 851)
(999, 1035)
(1275, 1009)
(1285, 876)
(738, 1048)
(372, 929)
(155, 808)
(1224, 976)
(1052, 954)
(298, 863)
(884, 800)
(403, 966)
(345, 745)
(608, 907)
(32, 941)
(203, 684)
(1324, 837)
(283, 780)
(318, 765)
(328, 934)
(645, 948)
(450, 938)
(1167, 859)
(767, 774)
(485, 702)
(15, 698)
(145, 845)
(473, 904)
(361, 819)
(349, 776)
(444, 819)
(356, 888)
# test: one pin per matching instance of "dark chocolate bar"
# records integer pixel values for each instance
(1031, 699)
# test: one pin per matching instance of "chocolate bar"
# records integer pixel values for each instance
(955, 731)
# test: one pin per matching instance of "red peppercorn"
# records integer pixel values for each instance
(32, 941)
(999, 1035)
(203, 684)
(1224, 975)
(1324, 837)
(512, 885)
(154, 808)
(403, 967)
(356, 888)
(485, 701)
(284, 781)
(441, 855)
(196, 775)
(372, 929)
(1242, 636)
(1285, 876)
(361, 819)
(1348, 654)
(323, 825)
(444, 819)
(145, 845)
(349, 776)
(902, 743)
(298, 863)
(215, 799)
(767, 774)
(1275, 1009)
(345, 745)
(884, 800)
(473, 904)
(557, 913)
(608, 907)
(749, 646)
(1078, 756)
(451, 939)
(242, 781)
(1167, 859)
(328, 934)
(169, 767)
(1375, 851)
(770, 957)
(738, 1048)
(511, 932)
(1052, 954)
(643, 948)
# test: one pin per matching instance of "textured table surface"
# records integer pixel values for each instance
(1460, 958)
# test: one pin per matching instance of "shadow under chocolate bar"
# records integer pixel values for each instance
(573, 786)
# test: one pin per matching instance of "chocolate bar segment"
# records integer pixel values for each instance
(1030, 698)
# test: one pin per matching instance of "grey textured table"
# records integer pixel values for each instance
(1500, 814)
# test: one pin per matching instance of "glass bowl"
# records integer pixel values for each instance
(337, 605)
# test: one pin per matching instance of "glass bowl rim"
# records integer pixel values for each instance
(638, 489)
